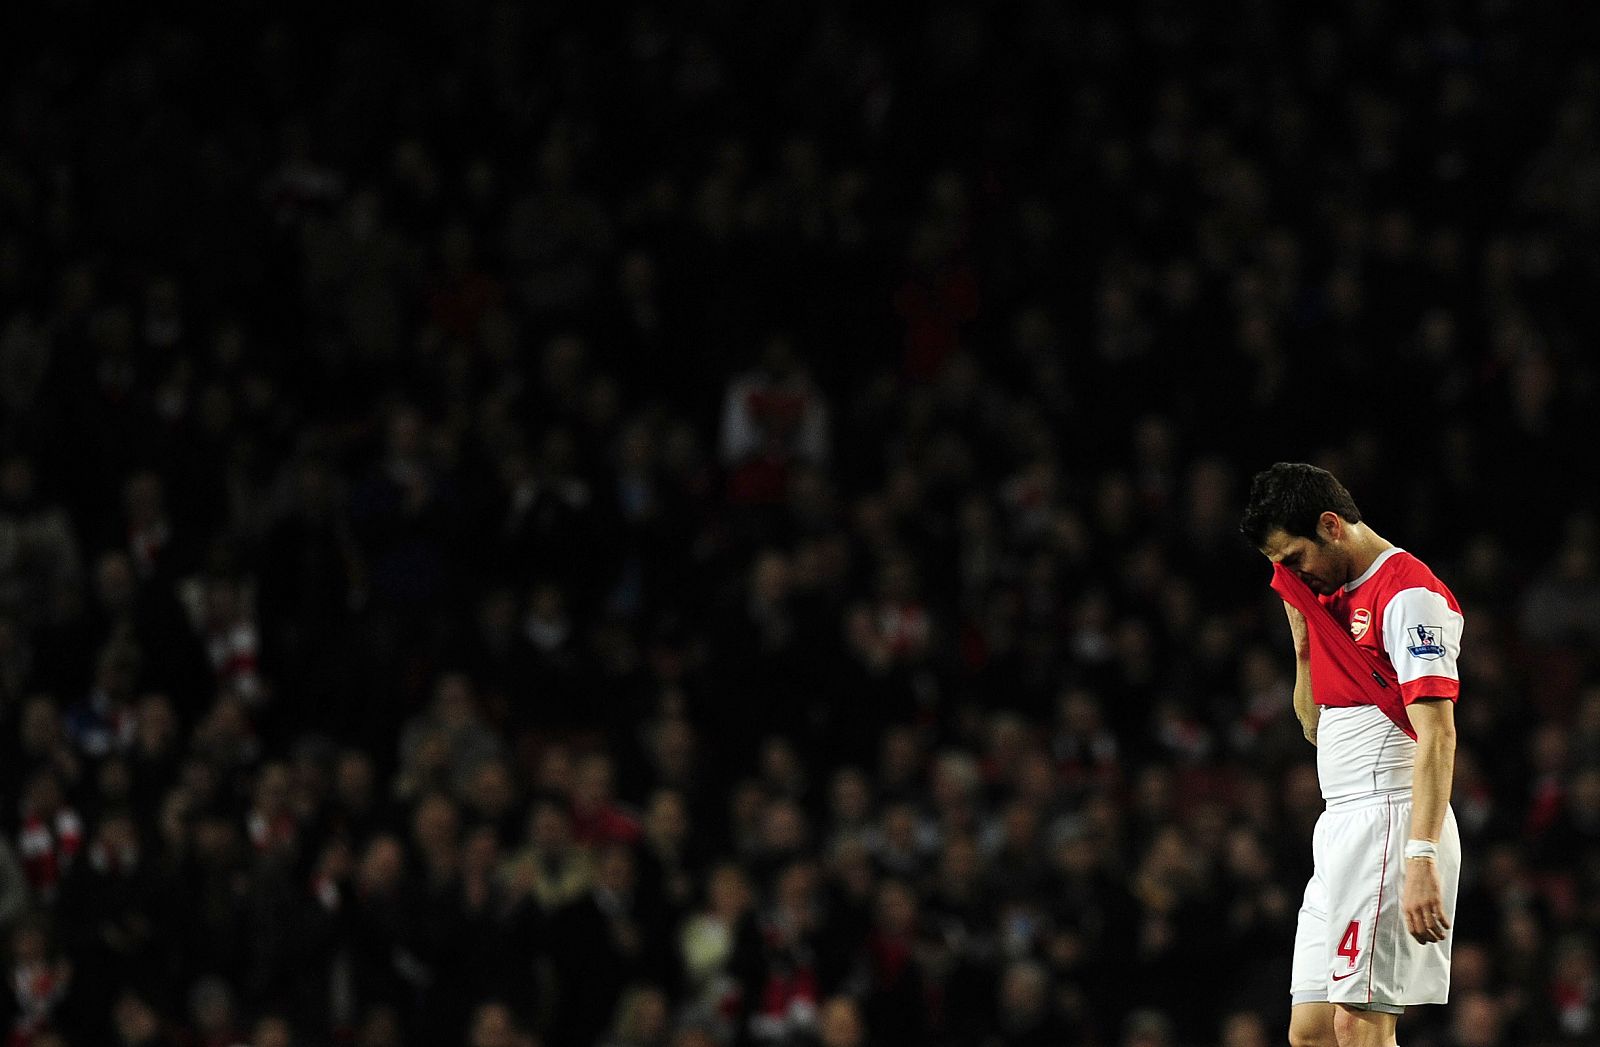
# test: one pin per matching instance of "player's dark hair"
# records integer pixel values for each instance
(1292, 496)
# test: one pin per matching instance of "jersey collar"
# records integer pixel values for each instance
(1350, 587)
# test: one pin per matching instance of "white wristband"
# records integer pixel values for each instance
(1422, 849)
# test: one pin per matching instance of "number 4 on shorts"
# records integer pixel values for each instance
(1347, 944)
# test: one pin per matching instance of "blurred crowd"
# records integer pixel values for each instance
(672, 526)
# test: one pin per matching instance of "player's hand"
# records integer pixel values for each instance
(1423, 902)
(1297, 629)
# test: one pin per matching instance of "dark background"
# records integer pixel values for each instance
(709, 524)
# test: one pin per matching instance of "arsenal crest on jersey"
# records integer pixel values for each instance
(1359, 622)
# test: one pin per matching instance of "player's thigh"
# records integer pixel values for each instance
(1361, 862)
(1308, 978)
(1311, 1025)
(1354, 1027)
(1361, 850)
(1424, 969)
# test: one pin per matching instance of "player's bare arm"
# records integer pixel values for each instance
(1305, 707)
(1421, 897)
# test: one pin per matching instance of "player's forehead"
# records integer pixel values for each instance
(1280, 545)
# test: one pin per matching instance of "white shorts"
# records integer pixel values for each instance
(1352, 946)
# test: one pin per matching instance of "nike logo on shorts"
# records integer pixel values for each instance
(1342, 977)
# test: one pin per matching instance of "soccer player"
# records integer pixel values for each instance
(1376, 638)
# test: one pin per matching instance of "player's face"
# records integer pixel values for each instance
(1317, 563)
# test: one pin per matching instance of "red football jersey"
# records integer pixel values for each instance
(1406, 627)
(1401, 613)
